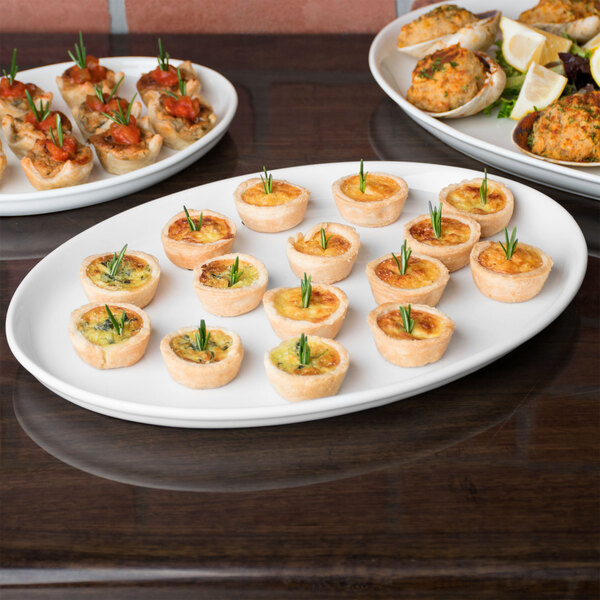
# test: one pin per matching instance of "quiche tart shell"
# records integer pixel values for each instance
(454, 257)
(189, 255)
(285, 327)
(71, 173)
(202, 375)
(140, 296)
(508, 287)
(231, 302)
(410, 352)
(490, 223)
(271, 219)
(75, 93)
(82, 114)
(112, 356)
(307, 387)
(324, 269)
(430, 294)
(376, 213)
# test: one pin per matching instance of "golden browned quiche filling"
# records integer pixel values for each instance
(96, 326)
(336, 245)
(213, 229)
(323, 303)
(217, 347)
(419, 273)
(323, 358)
(454, 232)
(377, 188)
(560, 11)
(133, 272)
(217, 274)
(427, 325)
(282, 193)
(523, 260)
(467, 198)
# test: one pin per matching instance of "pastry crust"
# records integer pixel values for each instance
(19, 107)
(454, 257)
(145, 87)
(112, 356)
(121, 159)
(286, 327)
(91, 122)
(324, 269)
(490, 223)
(2, 160)
(410, 352)
(509, 287)
(270, 219)
(307, 387)
(202, 375)
(75, 93)
(428, 294)
(376, 213)
(140, 296)
(230, 301)
(189, 255)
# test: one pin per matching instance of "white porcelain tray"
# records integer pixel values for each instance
(485, 138)
(36, 323)
(19, 197)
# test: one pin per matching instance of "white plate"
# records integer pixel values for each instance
(485, 138)
(38, 314)
(19, 197)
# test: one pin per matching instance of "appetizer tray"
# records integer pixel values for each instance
(19, 197)
(38, 314)
(485, 138)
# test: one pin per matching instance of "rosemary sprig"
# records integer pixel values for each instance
(407, 322)
(118, 116)
(436, 220)
(182, 84)
(363, 177)
(483, 189)
(118, 326)
(193, 226)
(44, 110)
(100, 93)
(405, 253)
(234, 272)
(59, 132)
(13, 68)
(325, 239)
(163, 57)
(79, 60)
(267, 181)
(511, 243)
(201, 337)
(306, 290)
(115, 262)
(303, 350)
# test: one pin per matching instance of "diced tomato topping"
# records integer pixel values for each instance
(94, 104)
(93, 71)
(125, 134)
(49, 121)
(112, 105)
(16, 90)
(166, 78)
(184, 107)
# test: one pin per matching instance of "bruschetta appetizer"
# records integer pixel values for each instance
(192, 237)
(230, 285)
(109, 336)
(13, 99)
(78, 81)
(202, 358)
(327, 252)
(270, 205)
(60, 161)
(370, 199)
(307, 367)
(509, 272)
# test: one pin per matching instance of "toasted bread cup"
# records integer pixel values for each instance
(21, 135)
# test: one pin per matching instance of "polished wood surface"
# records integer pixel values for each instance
(485, 488)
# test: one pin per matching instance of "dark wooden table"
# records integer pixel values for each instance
(484, 488)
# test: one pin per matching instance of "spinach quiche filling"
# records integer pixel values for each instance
(323, 358)
(212, 230)
(97, 328)
(133, 272)
(217, 274)
(217, 347)
(426, 325)
(467, 198)
(323, 303)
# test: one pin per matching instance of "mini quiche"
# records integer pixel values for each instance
(166, 80)
(190, 365)
(423, 282)
(104, 346)
(517, 279)
(134, 280)
(426, 343)
(231, 284)
(318, 375)
(458, 235)
(465, 198)
(327, 252)
(323, 315)
(269, 205)
(370, 199)
(213, 235)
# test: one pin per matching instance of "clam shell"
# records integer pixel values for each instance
(475, 36)
(581, 30)
(489, 93)
(520, 138)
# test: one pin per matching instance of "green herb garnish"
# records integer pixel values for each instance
(234, 272)
(303, 350)
(193, 226)
(363, 177)
(407, 322)
(483, 188)
(115, 262)
(182, 83)
(118, 326)
(59, 132)
(43, 111)
(201, 337)
(79, 53)
(267, 181)
(511, 243)
(118, 116)
(163, 57)
(436, 220)
(405, 253)
(100, 93)
(305, 290)
(13, 68)
(325, 239)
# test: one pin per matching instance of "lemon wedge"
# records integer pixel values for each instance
(593, 43)
(521, 45)
(541, 88)
(554, 44)
(595, 65)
